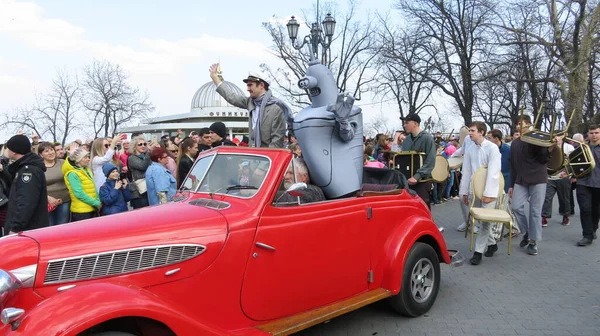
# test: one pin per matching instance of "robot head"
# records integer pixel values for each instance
(320, 84)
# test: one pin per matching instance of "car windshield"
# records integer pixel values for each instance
(238, 175)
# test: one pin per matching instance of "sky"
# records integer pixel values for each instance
(166, 47)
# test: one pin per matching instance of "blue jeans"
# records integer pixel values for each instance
(450, 184)
(60, 215)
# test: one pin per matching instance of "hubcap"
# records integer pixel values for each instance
(422, 280)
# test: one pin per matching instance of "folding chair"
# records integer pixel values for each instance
(496, 215)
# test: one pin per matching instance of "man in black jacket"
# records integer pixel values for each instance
(28, 199)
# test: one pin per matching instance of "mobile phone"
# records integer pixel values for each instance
(154, 139)
(122, 176)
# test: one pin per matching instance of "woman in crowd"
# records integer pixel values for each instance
(172, 164)
(187, 152)
(137, 163)
(161, 184)
(80, 183)
(102, 152)
(58, 194)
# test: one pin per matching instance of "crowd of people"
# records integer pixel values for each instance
(523, 168)
(97, 177)
(111, 175)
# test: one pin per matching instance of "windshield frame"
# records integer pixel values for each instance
(224, 191)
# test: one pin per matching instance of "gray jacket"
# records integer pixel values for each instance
(137, 166)
(273, 123)
(422, 143)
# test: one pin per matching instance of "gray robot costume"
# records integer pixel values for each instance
(330, 132)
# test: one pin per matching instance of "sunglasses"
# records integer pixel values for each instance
(142, 144)
(164, 157)
(106, 145)
(175, 151)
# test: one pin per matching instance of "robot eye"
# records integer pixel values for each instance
(303, 83)
(315, 91)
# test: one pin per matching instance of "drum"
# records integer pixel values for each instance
(455, 163)
(556, 162)
(440, 171)
(581, 161)
(408, 162)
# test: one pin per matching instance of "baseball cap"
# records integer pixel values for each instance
(412, 117)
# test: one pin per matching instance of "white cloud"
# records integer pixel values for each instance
(25, 22)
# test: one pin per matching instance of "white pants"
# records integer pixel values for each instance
(485, 236)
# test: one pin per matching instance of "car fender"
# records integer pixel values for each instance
(80, 308)
(399, 243)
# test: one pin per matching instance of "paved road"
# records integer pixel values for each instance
(556, 292)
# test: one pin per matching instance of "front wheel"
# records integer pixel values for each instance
(113, 333)
(420, 282)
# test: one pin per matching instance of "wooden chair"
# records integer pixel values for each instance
(496, 215)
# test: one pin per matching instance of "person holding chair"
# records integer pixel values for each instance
(483, 153)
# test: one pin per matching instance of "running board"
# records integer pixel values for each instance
(295, 323)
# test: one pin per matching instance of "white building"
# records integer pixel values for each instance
(207, 107)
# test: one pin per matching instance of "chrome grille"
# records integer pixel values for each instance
(118, 262)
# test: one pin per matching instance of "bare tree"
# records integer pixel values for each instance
(109, 98)
(452, 39)
(398, 80)
(378, 124)
(568, 39)
(53, 114)
(353, 51)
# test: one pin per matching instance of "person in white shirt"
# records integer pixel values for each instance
(482, 153)
(460, 152)
(558, 183)
(102, 152)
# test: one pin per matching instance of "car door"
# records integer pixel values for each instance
(306, 256)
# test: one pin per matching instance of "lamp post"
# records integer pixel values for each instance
(320, 35)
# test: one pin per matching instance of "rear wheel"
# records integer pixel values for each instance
(113, 333)
(420, 282)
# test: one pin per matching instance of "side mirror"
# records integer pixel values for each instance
(296, 190)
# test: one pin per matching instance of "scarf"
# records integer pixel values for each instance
(264, 101)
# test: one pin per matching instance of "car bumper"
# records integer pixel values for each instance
(458, 259)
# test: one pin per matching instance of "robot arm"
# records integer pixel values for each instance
(342, 110)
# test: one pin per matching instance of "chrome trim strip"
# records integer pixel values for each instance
(173, 271)
(64, 288)
(263, 245)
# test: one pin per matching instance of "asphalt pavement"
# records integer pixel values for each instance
(556, 292)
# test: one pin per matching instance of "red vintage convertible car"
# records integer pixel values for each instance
(227, 258)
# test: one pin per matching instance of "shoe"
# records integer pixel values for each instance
(595, 236)
(585, 241)
(476, 259)
(525, 241)
(455, 197)
(544, 221)
(476, 230)
(462, 227)
(532, 249)
(566, 221)
(491, 250)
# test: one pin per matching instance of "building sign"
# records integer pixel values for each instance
(228, 114)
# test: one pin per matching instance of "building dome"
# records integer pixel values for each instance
(207, 95)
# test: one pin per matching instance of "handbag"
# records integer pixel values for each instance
(141, 185)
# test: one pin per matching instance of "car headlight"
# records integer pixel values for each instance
(25, 275)
(8, 284)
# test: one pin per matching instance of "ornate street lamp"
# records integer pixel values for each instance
(320, 35)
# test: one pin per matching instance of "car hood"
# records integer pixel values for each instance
(173, 223)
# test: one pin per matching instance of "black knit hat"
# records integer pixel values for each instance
(19, 144)
(219, 128)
